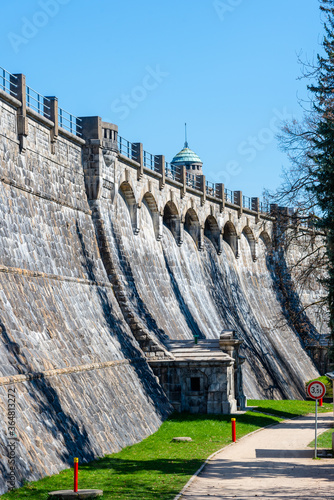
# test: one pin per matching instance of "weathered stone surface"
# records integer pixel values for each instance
(82, 385)
(89, 275)
(181, 439)
(68, 494)
(177, 291)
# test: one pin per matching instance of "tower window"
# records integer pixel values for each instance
(195, 383)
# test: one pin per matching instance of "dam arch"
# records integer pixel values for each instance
(264, 236)
(248, 233)
(154, 212)
(231, 237)
(172, 220)
(212, 232)
(127, 192)
(193, 226)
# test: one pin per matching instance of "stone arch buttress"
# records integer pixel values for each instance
(251, 241)
(126, 189)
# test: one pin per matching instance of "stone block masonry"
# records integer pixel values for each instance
(82, 385)
(106, 253)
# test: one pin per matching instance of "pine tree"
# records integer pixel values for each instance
(321, 154)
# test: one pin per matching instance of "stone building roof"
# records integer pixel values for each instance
(204, 350)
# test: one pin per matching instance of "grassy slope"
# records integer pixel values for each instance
(156, 467)
(288, 409)
(324, 440)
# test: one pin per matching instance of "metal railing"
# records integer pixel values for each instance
(229, 196)
(210, 188)
(247, 202)
(149, 161)
(38, 102)
(7, 82)
(173, 172)
(193, 181)
(125, 147)
(69, 122)
(264, 207)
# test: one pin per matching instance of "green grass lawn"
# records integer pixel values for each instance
(324, 440)
(288, 409)
(156, 467)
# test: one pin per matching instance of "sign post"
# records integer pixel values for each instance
(316, 390)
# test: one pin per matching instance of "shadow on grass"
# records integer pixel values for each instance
(160, 465)
(278, 413)
(246, 418)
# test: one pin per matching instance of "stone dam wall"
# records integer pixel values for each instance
(82, 385)
(102, 260)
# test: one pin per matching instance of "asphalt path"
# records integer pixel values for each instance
(274, 463)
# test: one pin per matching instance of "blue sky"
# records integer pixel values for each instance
(229, 68)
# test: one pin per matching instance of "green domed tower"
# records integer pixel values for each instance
(187, 157)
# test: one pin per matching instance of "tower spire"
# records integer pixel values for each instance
(185, 130)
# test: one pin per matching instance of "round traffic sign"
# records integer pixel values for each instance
(316, 390)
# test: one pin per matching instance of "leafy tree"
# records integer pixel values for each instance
(309, 181)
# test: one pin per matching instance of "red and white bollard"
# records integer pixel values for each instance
(76, 469)
(234, 431)
(320, 402)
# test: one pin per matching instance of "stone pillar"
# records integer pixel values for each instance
(238, 201)
(92, 157)
(183, 181)
(203, 189)
(201, 238)
(161, 164)
(220, 189)
(160, 226)
(254, 250)
(220, 244)
(110, 136)
(138, 156)
(22, 123)
(256, 208)
(53, 114)
(273, 209)
(181, 233)
(256, 204)
(135, 217)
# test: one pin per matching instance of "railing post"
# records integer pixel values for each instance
(22, 122)
(238, 201)
(256, 208)
(53, 114)
(220, 189)
(160, 161)
(137, 155)
(273, 209)
(183, 181)
(203, 189)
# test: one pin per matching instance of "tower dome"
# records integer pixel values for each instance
(186, 157)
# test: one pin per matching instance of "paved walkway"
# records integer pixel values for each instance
(274, 464)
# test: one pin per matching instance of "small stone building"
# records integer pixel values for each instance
(203, 376)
